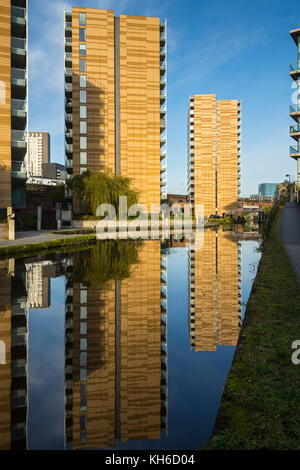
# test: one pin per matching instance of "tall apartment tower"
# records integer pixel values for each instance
(115, 98)
(295, 108)
(38, 153)
(214, 154)
(13, 103)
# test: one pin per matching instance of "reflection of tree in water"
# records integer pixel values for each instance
(108, 260)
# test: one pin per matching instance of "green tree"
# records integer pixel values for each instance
(106, 261)
(95, 188)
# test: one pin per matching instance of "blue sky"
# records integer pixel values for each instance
(236, 49)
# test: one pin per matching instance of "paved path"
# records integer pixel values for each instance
(27, 238)
(290, 234)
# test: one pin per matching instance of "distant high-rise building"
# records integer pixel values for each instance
(37, 284)
(38, 153)
(214, 154)
(13, 103)
(54, 171)
(115, 98)
(267, 189)
(295, 108)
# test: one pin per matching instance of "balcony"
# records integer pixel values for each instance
(18, 170)
(18, 22)
(68, 90)
(69, 136)
(19, 52)
(162, 53)
(162, 38)
(68, 59)
(69, 148)
(18, 77)
(19, 139)
(19, 108)
(295, 112)
(68, 72)
(295, 70)
(68, 45)
(68, 106)
(18, 15)
(68, 29)
(163, 110)
(163, 140)
(163, 154)
(163, 97)
(162, 70)
(163, 124)
(163, 168)
(294, 153)
(295, 132)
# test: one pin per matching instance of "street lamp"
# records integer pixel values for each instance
(289, 178)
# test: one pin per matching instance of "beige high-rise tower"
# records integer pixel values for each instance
(115, 98)
(13, 103)
(214, 154)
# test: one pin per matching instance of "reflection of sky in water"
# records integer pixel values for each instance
(195, 379)
(46, 359)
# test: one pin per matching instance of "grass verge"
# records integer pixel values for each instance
(45, 246)
(260, 406)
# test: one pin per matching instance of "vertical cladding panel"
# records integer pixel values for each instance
(205, 294)
(228, 289)
(205, 152)
(228, 134)
(5, 103)
(140, 105)
(100, 89)
(141, 347)
(100, 383)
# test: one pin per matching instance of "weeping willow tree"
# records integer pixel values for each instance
(95, 188)
(106, 261)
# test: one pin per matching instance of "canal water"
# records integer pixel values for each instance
(121, 345)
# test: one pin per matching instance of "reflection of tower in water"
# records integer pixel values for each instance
(13, 357)
(214, 286)
(116, 367)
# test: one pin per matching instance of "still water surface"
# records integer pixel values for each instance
(122, 345)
